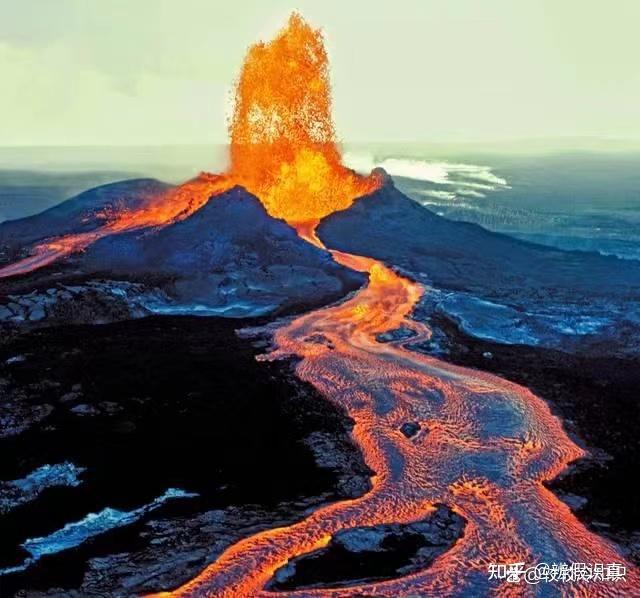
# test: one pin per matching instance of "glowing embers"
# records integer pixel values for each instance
(283, 146)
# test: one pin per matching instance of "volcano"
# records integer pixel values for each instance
(221, 251)
(348, 439)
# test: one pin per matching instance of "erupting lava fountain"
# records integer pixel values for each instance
(282, 149)
(487, 445)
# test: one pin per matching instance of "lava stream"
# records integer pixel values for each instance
(490, 444)
(487, 444)
(172, 206)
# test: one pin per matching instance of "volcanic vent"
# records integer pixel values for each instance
(283, 150)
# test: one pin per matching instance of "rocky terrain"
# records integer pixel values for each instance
(91, 302)
(143, 447)
(140, 450)
(86, 212)
(27, 192)
(363, 554)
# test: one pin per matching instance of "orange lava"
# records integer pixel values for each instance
(486, 449)
(283, 143)
(486, 445)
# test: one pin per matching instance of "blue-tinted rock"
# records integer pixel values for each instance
(410, 429)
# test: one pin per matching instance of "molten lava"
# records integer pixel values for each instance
(283, 143)
(488, 447)
(490, 444)
(174, 205)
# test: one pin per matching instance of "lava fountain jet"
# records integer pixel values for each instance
(283, 142)
(489, 444)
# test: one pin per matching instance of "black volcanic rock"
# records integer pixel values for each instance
(494, 286)
(112, 416)
(94, 302)
(389, 226)
(410, 429)
(364, 554)
(227, 258)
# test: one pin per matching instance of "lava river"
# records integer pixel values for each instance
(158, 211)
(486, 445)
(490, 445)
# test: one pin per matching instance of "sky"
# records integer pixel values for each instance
(156, 72)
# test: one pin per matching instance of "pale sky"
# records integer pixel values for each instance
(127, 72)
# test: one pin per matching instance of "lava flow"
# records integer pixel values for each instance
(176, 204)
(486, 445)
(487, 448)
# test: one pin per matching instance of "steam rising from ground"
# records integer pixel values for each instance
(468, 180)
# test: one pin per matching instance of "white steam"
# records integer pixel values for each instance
(468, 180)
